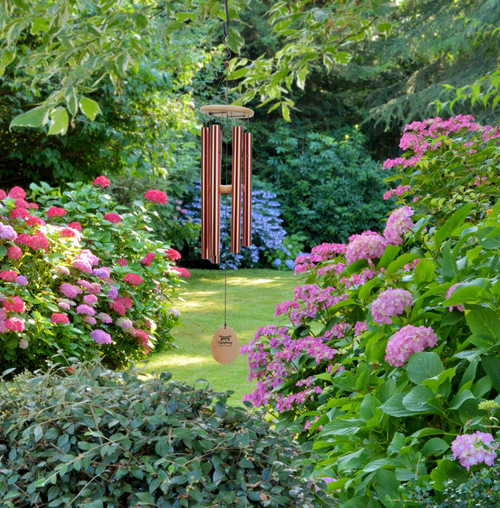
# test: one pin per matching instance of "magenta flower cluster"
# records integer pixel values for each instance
(315, 300)
(272, 368)
(472, 449)
(407, 341)
(389, 303)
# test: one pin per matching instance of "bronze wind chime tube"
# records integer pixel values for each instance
(205, 176)
(236, 190)
(214, 192)
(247, 189)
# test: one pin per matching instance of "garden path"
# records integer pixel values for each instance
(252, 296)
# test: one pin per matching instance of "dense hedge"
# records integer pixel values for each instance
(98, 438)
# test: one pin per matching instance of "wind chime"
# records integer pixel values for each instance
(225, 346)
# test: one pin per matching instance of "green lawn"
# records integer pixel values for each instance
(252, 296)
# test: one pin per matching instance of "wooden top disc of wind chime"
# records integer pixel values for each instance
(227, 111)
(225, 345)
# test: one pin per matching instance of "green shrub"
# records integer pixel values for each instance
(98, 438)
(328, 185)
(72, 296)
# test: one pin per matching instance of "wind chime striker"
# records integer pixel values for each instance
(225, 346)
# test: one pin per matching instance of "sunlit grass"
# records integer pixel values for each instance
(252, 296)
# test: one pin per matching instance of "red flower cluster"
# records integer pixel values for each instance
(14, 304)
(68, 233)
(54, 211)
(8, 275)
(102, 181)
(17, 192)
(37, 241)
(75, 225)
(35, 221)
(19, 213)
(133, 279)
(118, 307)
(122, 262)
(14, 252)
(183, 272)
(14, 324)
(126, 301)
(113, 217)
(59, 318)
(173, 254)
(156, 196)
(148, 258)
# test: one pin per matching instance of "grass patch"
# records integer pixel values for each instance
(252, 296)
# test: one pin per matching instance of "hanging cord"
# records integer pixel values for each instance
(226, 64)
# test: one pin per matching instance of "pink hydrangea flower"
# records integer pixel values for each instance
(133, 279)
(8, 275)
(124, 323)
(471, 449)
(17, 192)
(69, 290)
(55, 211)
(101, 337)
(14, 252)
(21, 203)
(83, 265)
(112, 217)
(59, 318)
(14, 324)
(102, 181)
(122, 262)
(90, 299)
(391, 302)
(75, 225)
(148, 258)
(19, 213)
(173, 254)
(85, 309)
(3, 194)
(63, 269)
(368, 245)
(8, 233)
(398, 224)
(14, 304)
(407, 341)
(89, 257)
(35, 221)
(105, 318)
(126, 301)
(183, 272)
(156, 196)
(118, 307)
(90, 320)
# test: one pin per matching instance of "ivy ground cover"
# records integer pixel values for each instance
(388, 369)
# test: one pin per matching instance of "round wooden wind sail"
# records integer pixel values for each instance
(225, 345)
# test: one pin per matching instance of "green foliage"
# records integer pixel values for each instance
(124, 441)
(368, 419)
(329, 187)
(311, 34)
